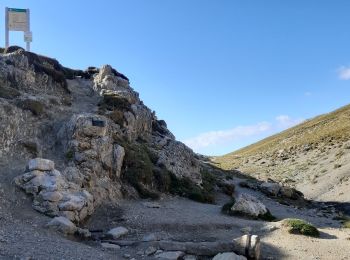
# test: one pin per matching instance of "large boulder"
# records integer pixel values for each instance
(270, 188)
(249, 205)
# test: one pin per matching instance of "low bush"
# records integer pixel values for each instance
(34, 106)
(226, 208)
(298, 226)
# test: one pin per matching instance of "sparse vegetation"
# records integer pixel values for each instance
(226, 208)
(34, 106)
(332, 127)
(8, 93)
(70, 155)
(267, 216)
(298, 226)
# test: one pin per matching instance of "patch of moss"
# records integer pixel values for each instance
(298, 226)
(186, 188)
(346, 224)
(226, 208)
(267, 216)
(70, 155)
(9, 93)
(34, 106)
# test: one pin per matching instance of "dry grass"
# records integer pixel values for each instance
(331, 128)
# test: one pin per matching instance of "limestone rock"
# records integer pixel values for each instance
(229, 256)
(110, 246)
(119, 154)
(41, 165)
(63, 225)
(54, 195)
(170, 255)
(249, 205)
(117, 232)
(270, 188)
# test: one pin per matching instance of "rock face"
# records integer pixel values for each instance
(52, 194)
(93, 125)
(249, 205)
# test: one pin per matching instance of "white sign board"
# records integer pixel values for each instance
(17, 19)
(28, 36)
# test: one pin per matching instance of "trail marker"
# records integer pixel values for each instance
(18, 20)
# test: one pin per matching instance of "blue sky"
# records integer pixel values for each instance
(221, 73)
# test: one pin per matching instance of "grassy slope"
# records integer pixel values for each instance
(326, 129)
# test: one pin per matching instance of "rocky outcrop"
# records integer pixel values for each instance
(52, 194)
(104, 140)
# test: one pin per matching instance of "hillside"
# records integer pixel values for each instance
(312, 156)
(88, 171)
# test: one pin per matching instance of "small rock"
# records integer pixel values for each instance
(41, 164)
(84, 233)
(127, 256)
(229, 256)
(269, 228)
(149, 238)
(150, 251)
(110, 246)
(117, 232)
(170, 255)
(63, 225)
(154, 205)
(247, 230)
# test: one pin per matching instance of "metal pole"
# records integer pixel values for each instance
(28, 28)
(7, 28)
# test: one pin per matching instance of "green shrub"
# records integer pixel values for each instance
(298, 226)
(139, 170)
(226, 208)
(70, 155)
(267, 216)
(346, 224)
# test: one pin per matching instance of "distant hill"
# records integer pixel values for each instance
(313, 156)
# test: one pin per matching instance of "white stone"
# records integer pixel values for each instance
(154, 205)
(63, 225)
(110, 246)
(229, 256)
(117, 232)
(249, 205)
(170, 255)
(41, 164)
